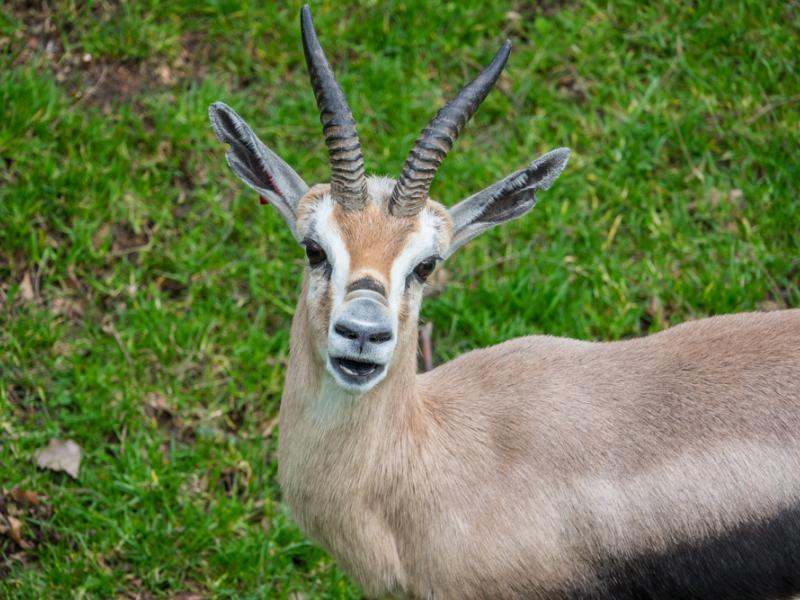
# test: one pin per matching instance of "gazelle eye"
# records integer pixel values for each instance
(425, 268)
(316, 255)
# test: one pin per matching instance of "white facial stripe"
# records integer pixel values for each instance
(331, 241)
(420, 246)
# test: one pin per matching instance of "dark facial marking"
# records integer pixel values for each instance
(757, 560)
(367, 283)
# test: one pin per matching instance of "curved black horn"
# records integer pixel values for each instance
(348, 184)
(411, 191)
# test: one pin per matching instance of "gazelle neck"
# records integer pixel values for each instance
(339, 454)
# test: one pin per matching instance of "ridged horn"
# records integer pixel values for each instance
(411, 191)
(348, 184)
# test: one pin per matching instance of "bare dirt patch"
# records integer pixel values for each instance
(99, 80)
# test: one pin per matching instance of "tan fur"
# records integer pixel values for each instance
(503, 472)
(374, 238)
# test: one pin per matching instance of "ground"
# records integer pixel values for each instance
(145, 295)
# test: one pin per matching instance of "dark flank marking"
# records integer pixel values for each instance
(759, 560)
(367, 283)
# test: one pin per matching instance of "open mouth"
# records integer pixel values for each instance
(356, 371)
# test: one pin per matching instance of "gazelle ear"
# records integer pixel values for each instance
(256, 165)
(507, 199)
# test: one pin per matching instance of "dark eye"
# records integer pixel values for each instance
(316, 255)
(425, 268)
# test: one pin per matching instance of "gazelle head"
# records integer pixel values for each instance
(371, 242)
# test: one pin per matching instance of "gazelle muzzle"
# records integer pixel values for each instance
(361, 339)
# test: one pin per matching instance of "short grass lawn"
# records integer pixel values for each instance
(146, 296)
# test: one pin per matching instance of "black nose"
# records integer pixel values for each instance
(363, 321)
(363, 332)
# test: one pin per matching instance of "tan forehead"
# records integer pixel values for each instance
(373, 237)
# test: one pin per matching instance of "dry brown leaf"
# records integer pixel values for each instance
(156, 404)
(505, 84)
(269, 427)
(60, 455)
(12, 527)
(28, 496)
(26, 289)
(165, 75)
(67, 307)
(15, 529)
(21, 515)
(19, 557)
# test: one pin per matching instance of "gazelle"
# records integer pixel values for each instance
(661, 467)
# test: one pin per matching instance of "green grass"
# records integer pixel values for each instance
(158, 280)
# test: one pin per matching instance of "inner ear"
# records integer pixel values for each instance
(246, 155)
(509, 205)
(258, 166)
(507, 199)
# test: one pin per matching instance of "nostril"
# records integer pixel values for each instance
(345, 331)
(380, 338)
